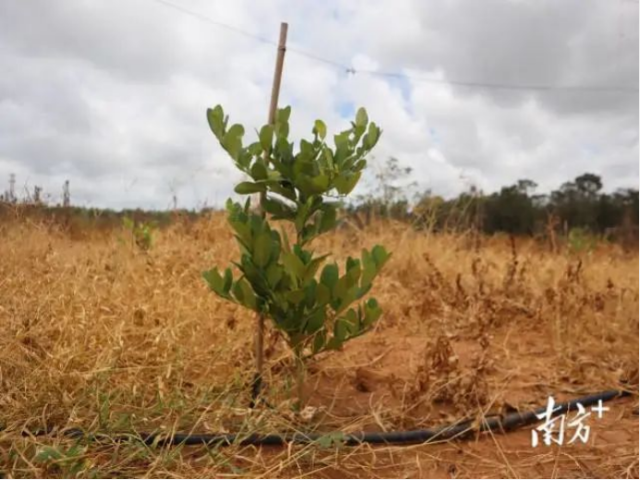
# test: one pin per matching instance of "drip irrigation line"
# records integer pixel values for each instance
(457, 430)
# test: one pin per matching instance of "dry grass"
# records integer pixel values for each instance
(100, 336)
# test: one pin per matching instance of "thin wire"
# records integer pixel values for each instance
(312, 56)
(250, 35)
(351, 70)
(503, 86)
(216, 23)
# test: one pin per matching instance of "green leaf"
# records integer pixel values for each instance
(363, 291)
(301, 215)
(277, 208)
(282, 133)
(328, 218)
(312, 268)
(345, 296)
(346, 182)
(372, 263)
(232, 141)
(352, 263)
(215, 117)
(282, 124)
(310, 296)
(306, 150)
(315, 322)
(266, 137)
(244, 159)
(252, 273)
(369, 270)
(244, 294)
(313, 185)
(48, 454)
(228, 281)
(380, 255)
(247, 188)
(283, 188)
(353, 325)
(361, 117)
(262, 249)
(284, 149)
(274, 275)
(328, 156)
(342, 139)
(360, 165)
(293, 265)
(353, 272)
(329, 276)
(332, 440)
(323, 294)
(215, 281)
(243, 233)
(320, 183)
(296, 296)
(358, 131)
(255, 149)
(236, 130)
(259, 170)
(320, 128)
(372, 312)
(303, 255)
(372, 137)
(283, 114)
(341, 329)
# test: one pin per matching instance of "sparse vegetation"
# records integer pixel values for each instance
(141, 233)
(516, 209)
(98, 337)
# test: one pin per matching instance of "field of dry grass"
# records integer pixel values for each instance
(98, 335)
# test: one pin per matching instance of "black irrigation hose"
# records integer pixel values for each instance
(447, 432)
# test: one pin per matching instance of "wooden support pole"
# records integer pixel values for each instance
(277, 76)
(273, 108)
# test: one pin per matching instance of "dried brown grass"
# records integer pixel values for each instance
(100, 336)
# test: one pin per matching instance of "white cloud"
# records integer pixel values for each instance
(113, 95)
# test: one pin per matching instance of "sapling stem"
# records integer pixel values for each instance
(300, 377)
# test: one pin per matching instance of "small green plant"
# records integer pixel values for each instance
(69, 461)
(278, 277)
(141, 233)
(335, 440)
(580, 240)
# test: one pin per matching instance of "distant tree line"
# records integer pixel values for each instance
(514, 209)
(578, 205)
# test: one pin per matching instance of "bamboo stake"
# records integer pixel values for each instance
(273, 111)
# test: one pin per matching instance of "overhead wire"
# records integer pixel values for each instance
(382, 74)
(602, 89)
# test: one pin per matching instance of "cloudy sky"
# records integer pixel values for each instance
(112, 94)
